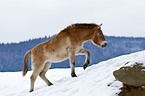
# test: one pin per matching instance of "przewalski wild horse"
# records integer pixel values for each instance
(67, 43)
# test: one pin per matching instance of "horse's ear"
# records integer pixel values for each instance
(99, 26)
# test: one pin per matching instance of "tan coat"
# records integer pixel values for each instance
(67, 43)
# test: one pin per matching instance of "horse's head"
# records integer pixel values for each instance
(98, 37)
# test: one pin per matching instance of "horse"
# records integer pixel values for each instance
(66, 44)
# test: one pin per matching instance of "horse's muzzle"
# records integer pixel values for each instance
(104, 44)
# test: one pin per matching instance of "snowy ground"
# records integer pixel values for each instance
(93, 81)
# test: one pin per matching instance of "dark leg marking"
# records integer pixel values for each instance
(31, 90)
(88, 60)
(73, 74)
(87, 53)
(86, 64)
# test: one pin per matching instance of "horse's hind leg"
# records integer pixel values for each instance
(43, 72)
(87, 53)
(36, 70)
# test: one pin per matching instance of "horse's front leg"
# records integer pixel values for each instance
(72, 62)
(87, 53)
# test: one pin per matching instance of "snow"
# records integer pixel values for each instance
(96, 80)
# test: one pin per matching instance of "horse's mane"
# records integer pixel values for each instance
(81, 25)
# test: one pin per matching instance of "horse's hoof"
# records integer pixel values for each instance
(73, 75)
(31, 90)
(85, 66)
(50, 84)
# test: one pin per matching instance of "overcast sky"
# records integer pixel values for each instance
(22, 20)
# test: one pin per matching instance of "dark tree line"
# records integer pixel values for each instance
(12, 55)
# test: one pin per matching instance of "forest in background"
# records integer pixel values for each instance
(12, 55)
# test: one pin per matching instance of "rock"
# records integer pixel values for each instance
(133, 75)
(131, 91)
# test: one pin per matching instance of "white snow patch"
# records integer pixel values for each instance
(96, 80)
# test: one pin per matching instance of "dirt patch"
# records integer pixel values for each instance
(132, 91)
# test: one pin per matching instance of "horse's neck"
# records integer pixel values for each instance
(86, 35)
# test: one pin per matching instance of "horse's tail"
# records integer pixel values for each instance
(26, 65)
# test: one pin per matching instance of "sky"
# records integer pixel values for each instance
(21, 20)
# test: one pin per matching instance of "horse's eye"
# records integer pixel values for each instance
(100, 34)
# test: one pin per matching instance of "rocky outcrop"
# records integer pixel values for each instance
(132, 91)
(132, 74)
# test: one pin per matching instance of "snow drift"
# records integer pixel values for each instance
(96, 80)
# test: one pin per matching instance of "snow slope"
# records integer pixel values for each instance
(93, 81)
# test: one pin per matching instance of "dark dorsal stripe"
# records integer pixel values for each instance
(88, 25)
